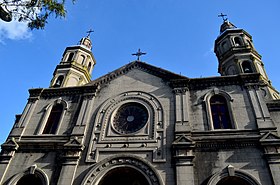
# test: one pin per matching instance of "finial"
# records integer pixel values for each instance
(223, 17)
(138, 54)
(89, 32)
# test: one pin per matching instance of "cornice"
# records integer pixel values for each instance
(229, 31)
(52, 92)
(238, 50)
(202, 83)
(74, 66)
(273, 105)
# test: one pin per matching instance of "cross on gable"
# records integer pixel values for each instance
(138, 54)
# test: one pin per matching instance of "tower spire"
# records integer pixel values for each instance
(76, 65)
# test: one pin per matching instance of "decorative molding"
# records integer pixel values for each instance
(229, 100)
(230, 171)
(32, 170)
(204, 83)
(103, 133)
(103, 167)
(159, 72)
(273, 105)
(64, 91)
(8, 150)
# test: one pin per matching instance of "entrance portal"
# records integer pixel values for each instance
(233, 181)
(30, 179)
(124, 176)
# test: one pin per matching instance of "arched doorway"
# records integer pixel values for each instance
(30, 179)
(124, 176)
(233, 181)
(123, 169)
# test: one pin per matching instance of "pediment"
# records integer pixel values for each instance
(10, 144)
(183, 140)
(270, 137)
(73, 142)
(156, 71)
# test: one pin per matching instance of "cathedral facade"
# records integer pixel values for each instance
(143, 125)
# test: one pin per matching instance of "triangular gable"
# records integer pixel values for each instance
(73, 142)
(183, 140)
(10, 144)
(270, 139)
(159, 72)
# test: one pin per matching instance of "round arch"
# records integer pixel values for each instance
(221, 178)
(120, 164)
(229, 101)
(33, 171)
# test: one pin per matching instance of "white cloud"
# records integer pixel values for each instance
(14, 30)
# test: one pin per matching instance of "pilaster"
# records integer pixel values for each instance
(84, 115)
(70, 158)
(183, 156)
(271, 145)
(181, 110)
(8, 150)
(263, 120)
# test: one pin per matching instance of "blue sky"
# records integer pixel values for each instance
(178, 35)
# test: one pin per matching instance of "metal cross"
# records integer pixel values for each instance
(223, 17)
(89, 32)
(138, 54)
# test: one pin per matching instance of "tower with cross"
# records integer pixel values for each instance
(76, 65)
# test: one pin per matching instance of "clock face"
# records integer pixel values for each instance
(130, 118)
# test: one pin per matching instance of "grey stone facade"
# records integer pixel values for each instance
(195, 131)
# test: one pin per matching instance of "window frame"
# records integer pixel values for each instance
(47, 113)
(229, 101)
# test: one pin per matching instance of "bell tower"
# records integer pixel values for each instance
(237, 55)
(76, 65)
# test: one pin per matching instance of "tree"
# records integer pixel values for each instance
(34, 12)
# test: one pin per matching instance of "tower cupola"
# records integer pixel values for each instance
(76, 65)
(237, 55)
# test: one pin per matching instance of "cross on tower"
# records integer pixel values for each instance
(89, 32)
(223, 17)
(138, 54)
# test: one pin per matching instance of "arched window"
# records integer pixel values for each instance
(220, 112)
(83, 59)
(89, 66)
(246, 67)
(53, 119)
(59, 81)
(70, 56)
(30, 179)
(237, 41)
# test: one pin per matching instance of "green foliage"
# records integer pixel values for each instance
(35, 12)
